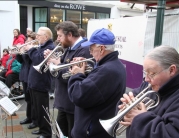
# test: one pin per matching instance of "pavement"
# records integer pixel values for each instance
(13, 129)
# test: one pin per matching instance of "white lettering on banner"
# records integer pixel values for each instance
(57, 6)
(72, 6)
(118, 46)
(121, 38)
(77, 7)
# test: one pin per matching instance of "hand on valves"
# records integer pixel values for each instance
(78, 68)
(127, 99)
(52, 58)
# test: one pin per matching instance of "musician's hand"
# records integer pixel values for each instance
(126, 100)
(55, 61)
(46, 53)
(78, 69)
(128, 118)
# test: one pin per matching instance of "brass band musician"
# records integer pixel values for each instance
(161, 69)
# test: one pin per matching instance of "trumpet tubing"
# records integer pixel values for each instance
(55, 68)
(110, 124)
(39, 67)
(69, 74)
(16, 49)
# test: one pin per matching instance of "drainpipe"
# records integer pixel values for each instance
(159, 22)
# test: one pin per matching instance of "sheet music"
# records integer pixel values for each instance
(8, 106)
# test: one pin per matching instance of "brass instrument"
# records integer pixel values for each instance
(55, 68)
(16, 49)
(53, 54)
(110, 124)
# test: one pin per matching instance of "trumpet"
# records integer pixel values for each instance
(55, 68)
(110, 124)
(53, 54)
(16, 49)
(69, 74)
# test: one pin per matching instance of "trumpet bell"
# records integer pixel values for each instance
(38, 68)
(109, 125)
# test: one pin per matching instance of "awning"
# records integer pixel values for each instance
(171, 4)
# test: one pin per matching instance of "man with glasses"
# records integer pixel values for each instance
(39, 84)
(96, 95)
(161, 70)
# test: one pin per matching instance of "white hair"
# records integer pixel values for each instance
(108, 47)
(29, 29)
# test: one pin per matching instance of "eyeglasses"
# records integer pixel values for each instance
(151, 76)
(92, 49)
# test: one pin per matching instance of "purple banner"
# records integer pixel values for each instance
(134, 74)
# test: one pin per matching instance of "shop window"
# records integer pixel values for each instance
(102, 15)
(86, 16)
(56, 16)
(40, 18)
(74, 16)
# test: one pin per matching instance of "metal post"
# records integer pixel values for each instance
(159, 22)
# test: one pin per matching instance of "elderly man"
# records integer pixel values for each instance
(39, 84)
(96, 95)
(161, 69)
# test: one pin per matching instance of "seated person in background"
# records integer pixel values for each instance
(11, 74)
(4, 58)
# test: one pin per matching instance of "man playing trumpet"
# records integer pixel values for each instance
(70, 40)
(39, 84)
(161, 70)
(96, 95)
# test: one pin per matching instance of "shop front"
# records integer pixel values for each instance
(45, 13)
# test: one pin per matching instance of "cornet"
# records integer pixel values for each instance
(110, 124)
(16, 49)
(55, 68)
(53, 54)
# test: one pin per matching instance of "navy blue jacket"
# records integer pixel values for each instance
(62, 100)
(37, 81)
(26, 62)
(96, 96)
(162, 121)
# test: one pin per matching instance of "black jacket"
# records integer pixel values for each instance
(62, 100)
(26, 62)
(162, 121)
(37, 81)
(96, 96)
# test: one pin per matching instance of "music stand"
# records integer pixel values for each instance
(7, 105)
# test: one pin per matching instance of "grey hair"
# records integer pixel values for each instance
(165, 56)
(108, 47)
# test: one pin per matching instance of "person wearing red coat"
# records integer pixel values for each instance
(18, 37)
(4, 58)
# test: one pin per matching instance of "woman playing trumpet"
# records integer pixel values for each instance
(161, 69)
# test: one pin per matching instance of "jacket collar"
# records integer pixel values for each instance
(169, 87)
(46, 43)
(109, 57)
